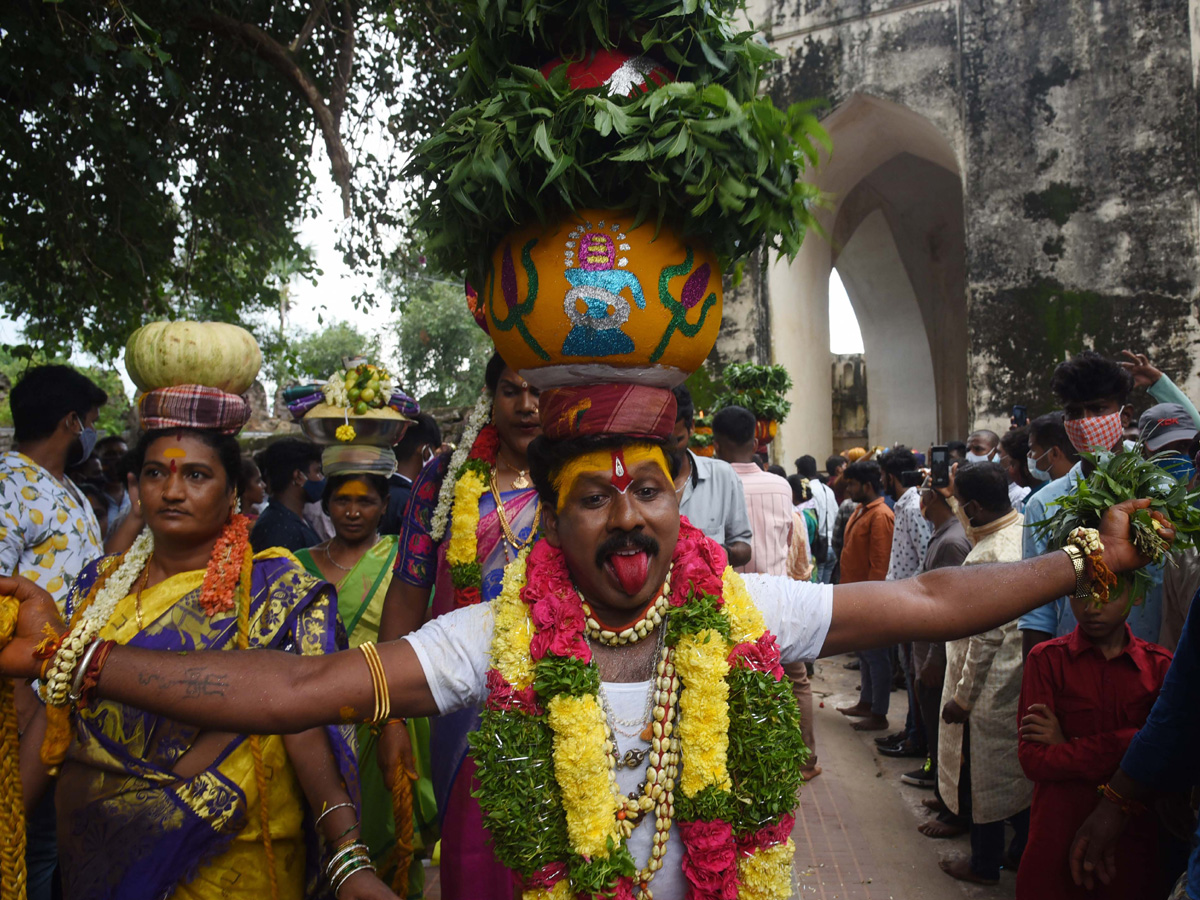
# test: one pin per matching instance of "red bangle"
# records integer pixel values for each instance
(91, 678)
(1127, 807)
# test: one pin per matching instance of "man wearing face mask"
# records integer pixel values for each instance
(50, 531)
(1093, 390)
(418, 446)
(292, 470)
(982, 446)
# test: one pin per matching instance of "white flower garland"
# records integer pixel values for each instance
(479, 417)
(95, 617)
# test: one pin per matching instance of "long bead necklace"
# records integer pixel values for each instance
(654, 615)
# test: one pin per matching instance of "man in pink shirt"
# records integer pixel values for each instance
(769, 507)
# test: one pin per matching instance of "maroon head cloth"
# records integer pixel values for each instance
(193, 406)
(635, 410)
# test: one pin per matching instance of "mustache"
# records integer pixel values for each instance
(632, 540)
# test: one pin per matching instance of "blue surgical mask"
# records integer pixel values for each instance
(1036, 471)
(313, 489)
(1180, 467)
(87, 443)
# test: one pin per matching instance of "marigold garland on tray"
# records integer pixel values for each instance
(546, 755)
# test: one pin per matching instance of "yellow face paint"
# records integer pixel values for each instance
(355, 488)
(175, 453)
(615, 463)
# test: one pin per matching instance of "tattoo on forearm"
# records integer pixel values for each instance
(196, 682)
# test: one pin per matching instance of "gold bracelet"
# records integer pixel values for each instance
(1083, 588)
(379, 685)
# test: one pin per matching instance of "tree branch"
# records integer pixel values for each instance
(310, 25)
(345, 65)
(277, 56)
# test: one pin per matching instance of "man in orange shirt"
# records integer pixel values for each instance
(866, 552)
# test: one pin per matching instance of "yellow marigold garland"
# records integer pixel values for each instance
(581, 769)
(513, 628)
(767, 873)
(745, 621)
(703, 711)
(463, 546)
(12, 815)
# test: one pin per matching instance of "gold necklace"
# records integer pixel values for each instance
(521, 482)
(509, 536)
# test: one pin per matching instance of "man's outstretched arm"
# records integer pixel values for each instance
(946, 604)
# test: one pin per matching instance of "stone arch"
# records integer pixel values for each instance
(895, 232)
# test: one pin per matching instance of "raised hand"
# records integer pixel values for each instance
(1139, 366)
(1120, 554)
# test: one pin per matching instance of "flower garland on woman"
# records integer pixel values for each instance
(190, 581)
(469, 516)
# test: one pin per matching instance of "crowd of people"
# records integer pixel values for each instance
(1013, 727)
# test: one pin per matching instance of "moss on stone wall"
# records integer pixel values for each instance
(1058, 202)
(1027, 331)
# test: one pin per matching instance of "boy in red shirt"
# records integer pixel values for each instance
(1083, 697)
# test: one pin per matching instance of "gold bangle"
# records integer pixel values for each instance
(1083, 588)
(379, 685)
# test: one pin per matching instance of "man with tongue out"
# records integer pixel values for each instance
(610, 509)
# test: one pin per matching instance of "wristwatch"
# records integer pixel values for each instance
(1083, 588)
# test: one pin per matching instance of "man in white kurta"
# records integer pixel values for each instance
(981, 692)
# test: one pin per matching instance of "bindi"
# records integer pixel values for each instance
(620, 473)
(174, 454)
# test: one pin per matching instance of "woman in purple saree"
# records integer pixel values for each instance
(469, 869)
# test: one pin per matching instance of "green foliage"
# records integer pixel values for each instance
(320, 354)
(699, 613)
(706, 153)
(443, 352)
(760, 389)
(1118, 477)
(766, 750)
(514, 756)
(14, 362)
(565, 675)
(704, 393)
(155, 156)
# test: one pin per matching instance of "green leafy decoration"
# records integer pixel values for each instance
(760, 389)
(706, 153)
(1115, 478)
(701, 612)
(565, 675)
(514, 756)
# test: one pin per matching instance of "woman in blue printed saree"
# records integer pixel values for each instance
(149, 808)
(359, 562)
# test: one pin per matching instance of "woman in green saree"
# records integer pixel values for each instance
(358, 561)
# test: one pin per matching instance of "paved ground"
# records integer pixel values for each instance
(856, 828)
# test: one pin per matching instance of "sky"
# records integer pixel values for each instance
(844, 334)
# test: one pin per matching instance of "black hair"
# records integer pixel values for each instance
(46, 395)
(282, 458)
(801, 489)
(992, 437)
(93, 493)
(865, 471)
(1090, 376)
(776, 469)
(224, 445)
(735, 424)
(1048, 431)
(423, 430)
(111, 439)
(832, 463)
(1015, 444)
(899, 460)
(685, 409)
(495, 368)
(957, 448)
(377, 483)
(985, 483)
(547, 457)
(249, 470)
(807, 466)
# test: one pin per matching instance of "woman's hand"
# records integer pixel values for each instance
(37, 610)
(395, 748)
(1120, 554)
(365, 885)
(1041, 726)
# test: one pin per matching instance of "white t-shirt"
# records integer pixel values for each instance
(454, 652)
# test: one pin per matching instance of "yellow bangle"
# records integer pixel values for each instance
(379, 685)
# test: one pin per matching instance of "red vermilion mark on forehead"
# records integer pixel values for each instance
(174, 466)
(620, 474)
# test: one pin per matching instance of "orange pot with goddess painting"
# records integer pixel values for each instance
(592, 298)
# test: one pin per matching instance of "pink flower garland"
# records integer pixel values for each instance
(709, 860)
(759, 656)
